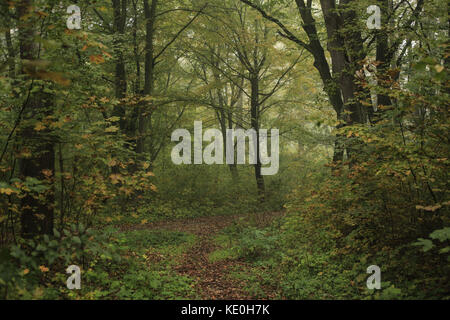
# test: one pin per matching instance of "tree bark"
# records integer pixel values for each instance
(254, 113)
(120, 80)
(145, 111)
(36, 212)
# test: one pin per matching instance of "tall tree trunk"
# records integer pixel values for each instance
(331, 88)
(120, 81)
(36, 212)
(346, 50)
(383, 58)
(145, 112)
(344, 62)
(8, 26)
(137, 87)
(133, 121)
(233, 166)
(224, 116)
(254, 112)
(11, 54)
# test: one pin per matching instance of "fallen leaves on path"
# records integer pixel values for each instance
(212, 279)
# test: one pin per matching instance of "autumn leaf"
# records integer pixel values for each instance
(106, 54)
(7, 191)
(429, 208)
(115, 178)
(127, 191)
(112, 162)
(47, 172)
(96, 58)
(146, 165)
(43, 268)
(438, 68)
(42, 14)
(56, 77)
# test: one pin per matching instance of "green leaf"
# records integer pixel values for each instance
(425, 243)
(76, 239)
(441, 234)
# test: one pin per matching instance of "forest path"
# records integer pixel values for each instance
(212, 279)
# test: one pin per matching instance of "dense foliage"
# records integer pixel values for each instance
(86, 170)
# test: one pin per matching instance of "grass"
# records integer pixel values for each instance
(148, 270)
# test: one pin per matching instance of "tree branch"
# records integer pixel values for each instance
(286, 32)
(178, 34)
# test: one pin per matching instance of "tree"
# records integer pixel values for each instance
(37, 160)
(347, 50)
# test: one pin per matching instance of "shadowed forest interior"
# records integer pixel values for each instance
(115, 157)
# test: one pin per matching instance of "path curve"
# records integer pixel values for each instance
(212, 280)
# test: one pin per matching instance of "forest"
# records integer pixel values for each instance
(224, 150)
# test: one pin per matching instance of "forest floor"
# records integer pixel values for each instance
(214, 279)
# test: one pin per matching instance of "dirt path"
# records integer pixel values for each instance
(212, 280)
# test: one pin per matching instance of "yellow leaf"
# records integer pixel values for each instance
(113, 119)
(39, 126)
(112, 129)
(26, 271)
(115, 178)
(439, 68)
(429, 208)
(112, 162)
(7, 191)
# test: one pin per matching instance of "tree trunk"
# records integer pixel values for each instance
(254, 110)
(120, 81)
(383, 58)
(330, 85)
(11, 54)
(145, 111)
(233, 167)
(36, 212)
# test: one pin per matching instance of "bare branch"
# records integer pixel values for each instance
(286, 32)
